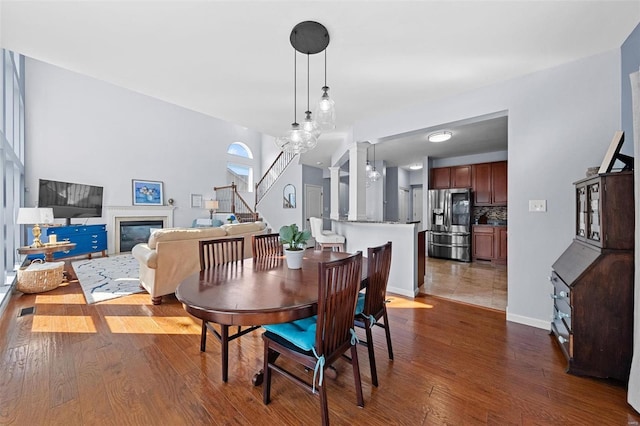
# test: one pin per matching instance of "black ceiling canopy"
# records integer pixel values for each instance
(309, 37)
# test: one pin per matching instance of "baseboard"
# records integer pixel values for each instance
(402, 292)
(533, 322)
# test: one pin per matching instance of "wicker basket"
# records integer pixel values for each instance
(39, 277)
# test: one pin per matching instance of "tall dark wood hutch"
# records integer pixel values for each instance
(593, 280)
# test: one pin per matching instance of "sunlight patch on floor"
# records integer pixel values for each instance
(150, 325)
(63, 324)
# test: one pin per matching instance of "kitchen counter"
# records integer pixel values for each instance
(360, 235)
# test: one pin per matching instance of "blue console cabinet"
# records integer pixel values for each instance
(88, 238)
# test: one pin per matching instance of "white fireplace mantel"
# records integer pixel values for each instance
(115, 214)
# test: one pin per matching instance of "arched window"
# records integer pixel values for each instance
(241, 174)
(240, 149)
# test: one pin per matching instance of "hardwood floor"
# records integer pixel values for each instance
(477, 283)
(128, 362)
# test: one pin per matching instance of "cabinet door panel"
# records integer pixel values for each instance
(483, 245)
(499, 183)
(440, 178)
(481, 180)
(461, 177)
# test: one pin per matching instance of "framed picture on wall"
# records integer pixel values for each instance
(147, 193)
(196, 200)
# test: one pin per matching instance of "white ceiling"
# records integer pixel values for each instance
(233, 60)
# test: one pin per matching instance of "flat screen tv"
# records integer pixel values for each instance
(70, 200)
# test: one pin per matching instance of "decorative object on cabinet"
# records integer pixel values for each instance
(88, 239)
(613, 154)
(196, 201)
(289, 197)
(147, 193)
(35, 216)
(593, 280)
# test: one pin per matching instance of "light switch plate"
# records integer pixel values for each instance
(537, 205)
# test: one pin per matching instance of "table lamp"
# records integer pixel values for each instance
(35, 216)
(211, 205)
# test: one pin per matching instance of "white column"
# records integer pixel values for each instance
(357, 181)
(335, 193)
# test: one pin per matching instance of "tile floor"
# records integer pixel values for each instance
(477, 283)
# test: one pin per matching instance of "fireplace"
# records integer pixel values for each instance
(160, 216)
(133, 232)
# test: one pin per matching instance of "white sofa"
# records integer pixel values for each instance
(172, 254)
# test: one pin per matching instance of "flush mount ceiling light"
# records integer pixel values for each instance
(308, 38)
(415, 166)
(442, 136)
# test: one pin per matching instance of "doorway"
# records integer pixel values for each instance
(312, 203)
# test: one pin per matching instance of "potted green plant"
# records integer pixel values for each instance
(294, 242)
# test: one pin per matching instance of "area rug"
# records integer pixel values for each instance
(106, 278)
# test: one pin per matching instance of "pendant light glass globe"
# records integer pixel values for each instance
(296, 140)
(374, 175)
(326, 111)
(309, 125)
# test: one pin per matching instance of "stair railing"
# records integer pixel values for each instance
(272, 174)
(230, 201)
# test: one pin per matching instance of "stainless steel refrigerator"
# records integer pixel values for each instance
(449, 224)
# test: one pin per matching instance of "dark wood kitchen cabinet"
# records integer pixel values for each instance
(440, 178)
(489, 184)
(483, 242)
(593, 280)
(461, 177)
(489, 243)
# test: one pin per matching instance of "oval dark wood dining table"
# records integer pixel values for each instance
(256, 291)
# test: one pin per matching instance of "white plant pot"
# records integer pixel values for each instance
(294, 258)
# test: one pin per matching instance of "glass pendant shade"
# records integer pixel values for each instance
(309, 125)
(296, 140)
(368, 167)
(374, 175)
(326, 111)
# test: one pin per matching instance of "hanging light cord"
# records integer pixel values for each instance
(295, 79)
(308, 111)
(325, 67)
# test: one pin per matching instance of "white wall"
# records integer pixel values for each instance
(560, 122)
(271, 206)
(84, 130)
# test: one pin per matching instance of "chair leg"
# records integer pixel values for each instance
(372, 355)
(356, 375)
(266, 383)
(224, 340)
(324, 407)
(203, 336)
(388, 333)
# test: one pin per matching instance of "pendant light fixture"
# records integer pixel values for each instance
(309, 124)
(309, 38)
(326, 109)
(374, 175)
(295, 140)
(368, 166)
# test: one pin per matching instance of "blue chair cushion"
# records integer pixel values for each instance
(360, 304)
(217, 222)
(301, 333)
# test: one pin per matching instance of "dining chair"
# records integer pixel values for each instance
(371, 305)
(221, 253)
(325, 239)
(316, 342)
(266, 245)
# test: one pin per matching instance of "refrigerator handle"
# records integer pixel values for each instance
(447, 211)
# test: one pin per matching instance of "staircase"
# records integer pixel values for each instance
(230, 201)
